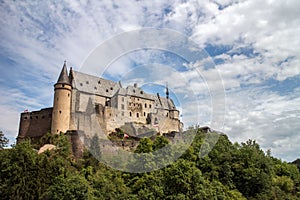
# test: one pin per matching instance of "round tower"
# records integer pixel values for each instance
(62, 103)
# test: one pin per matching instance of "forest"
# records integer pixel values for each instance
(229, 171)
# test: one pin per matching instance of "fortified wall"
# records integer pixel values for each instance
(34, 124)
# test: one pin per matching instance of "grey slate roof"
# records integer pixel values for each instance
(63, 77)
(134, 91)
(103, 87)
(94, 85)
(167, 104)
(138, 92)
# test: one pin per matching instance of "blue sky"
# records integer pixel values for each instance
(254, 44)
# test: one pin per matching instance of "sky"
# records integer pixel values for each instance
(254, 46)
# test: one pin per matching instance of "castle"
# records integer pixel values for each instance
(115, 107)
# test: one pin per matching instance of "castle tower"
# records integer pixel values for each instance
(62, 103)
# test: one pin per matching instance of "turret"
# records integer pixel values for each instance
(167, 91)
(62, 103)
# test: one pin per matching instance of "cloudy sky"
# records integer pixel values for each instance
(254, 44)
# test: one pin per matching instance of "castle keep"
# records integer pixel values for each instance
(114, 106)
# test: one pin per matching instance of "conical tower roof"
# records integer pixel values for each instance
(63, 77)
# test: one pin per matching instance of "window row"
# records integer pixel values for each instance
(137, 114)
(37, 117)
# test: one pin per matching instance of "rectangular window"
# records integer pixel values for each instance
(122, 106)
(97, 108)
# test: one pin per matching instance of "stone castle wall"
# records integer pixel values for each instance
(77, 144)
(35, 124)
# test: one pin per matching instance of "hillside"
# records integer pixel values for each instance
(229, 171)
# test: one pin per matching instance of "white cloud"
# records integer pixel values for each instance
(265, 116)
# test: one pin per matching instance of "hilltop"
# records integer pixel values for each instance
(229, 171)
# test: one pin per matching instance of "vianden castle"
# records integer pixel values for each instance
(115, 107)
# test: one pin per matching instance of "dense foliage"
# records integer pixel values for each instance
(229, 171)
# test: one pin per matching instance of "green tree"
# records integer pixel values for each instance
(148, 186)
(109, 184)
(160, 142)
(222, 158)
(19, 172)
(70, 187)
(145, 146)
(3, 140)
(62, 142)
(25, 174)
(252, 169)
(285, 183)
